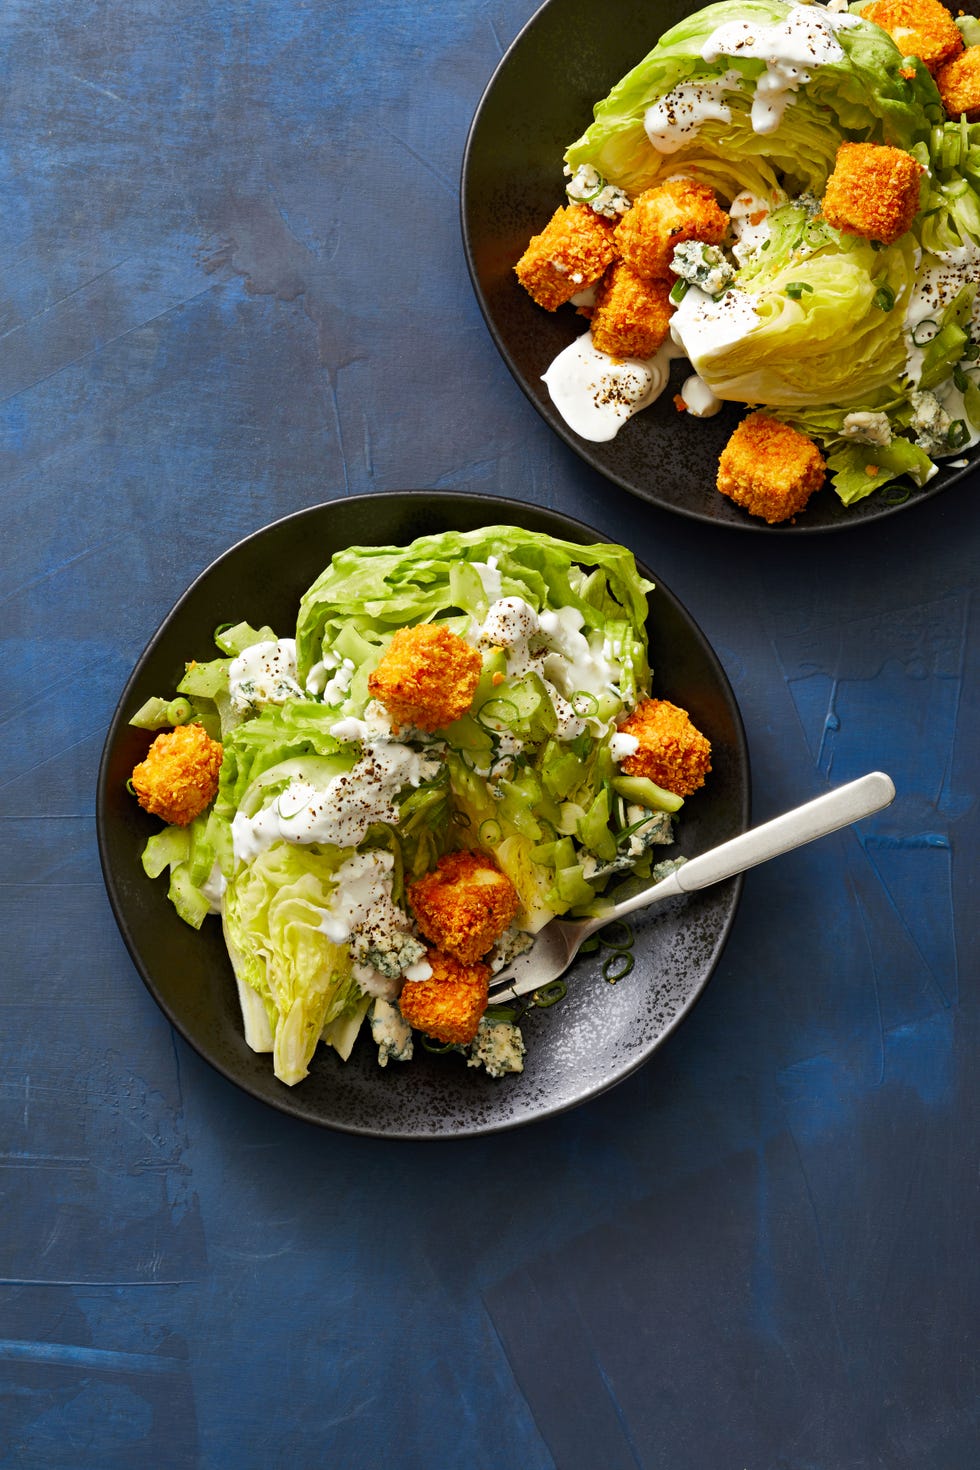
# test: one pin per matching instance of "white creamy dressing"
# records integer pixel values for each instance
(596, 394)
(698, 398)
(553, 645)
(749, 215)
(330, 679)
(362, 908)
(703, 325)
(936, 286)
(490, 578)
(264, 674)
(339, 813)
(791, 50)
(623, 744)
(674, 119)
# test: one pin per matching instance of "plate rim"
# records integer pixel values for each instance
(291, 1103)
(583, 448)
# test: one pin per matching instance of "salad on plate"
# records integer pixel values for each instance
(456, 743)
(788, 197)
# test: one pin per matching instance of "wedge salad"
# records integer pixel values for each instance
(787, 196)
(455, 743)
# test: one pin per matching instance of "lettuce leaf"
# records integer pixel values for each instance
(273, 911)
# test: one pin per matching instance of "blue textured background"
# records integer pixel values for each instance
(232, 285)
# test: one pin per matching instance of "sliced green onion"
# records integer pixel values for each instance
(608, 939)
(504, 711)
(924, 331)
(884, 298)
(972, 352)
(510, 1014)
(584, 704)
(437, 1047)
(550, 994)
(678, 291)
(179, 711)
(895, 495)
(617, 965)
(132, 791)
(960, 378)
(795, 289)
(491, 831)
(957, 434)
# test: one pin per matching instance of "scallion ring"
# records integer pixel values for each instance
(795, 289)
(617, 965)
(957, 434)
(924, 331)
(678, 291)
(584, 704)
(179, 710)
(490, 831)
(884, 298)
(437, 1047)
(960, 378)
(504, 711)
(608, 939)
(550, 994)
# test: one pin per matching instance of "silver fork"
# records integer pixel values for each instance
(560, 941)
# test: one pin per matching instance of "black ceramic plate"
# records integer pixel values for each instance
(540, 100)
(597, 1035)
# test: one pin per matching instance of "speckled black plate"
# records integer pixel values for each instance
(539, 100)
(598, 1034)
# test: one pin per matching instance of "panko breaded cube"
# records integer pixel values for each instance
(631, 317)
(464, 905)
(672, 751)
(448, 1005)
(959, 84)
(426, 677)
(921, 28)
(571, 253)
(873, 191)
(179, 776)
(769, 468)
(664, 216)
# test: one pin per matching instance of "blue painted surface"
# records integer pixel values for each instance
(232, 285)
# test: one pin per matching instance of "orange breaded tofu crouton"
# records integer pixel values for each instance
(959, 84)
(464, 905)
(921, 28)
(426, 677)
(672, 751)
(449, 1004)
(631, 317)
(873, 191)
(179, 776)
(663, 217)
(571, 253)
(769, 468)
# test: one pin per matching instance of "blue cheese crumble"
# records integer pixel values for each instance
(587, 186)
(930, 422)
(703, 266)
(498, 1046)
(391, 1032)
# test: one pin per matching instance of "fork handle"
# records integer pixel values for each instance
(793, 829)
